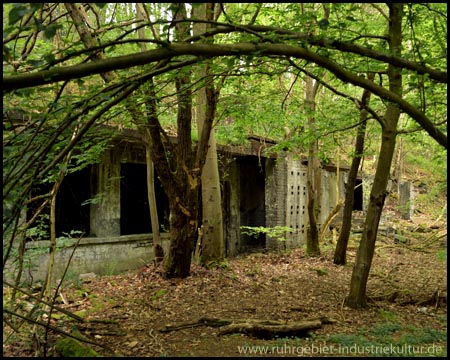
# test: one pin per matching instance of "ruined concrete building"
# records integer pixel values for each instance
(259, 188)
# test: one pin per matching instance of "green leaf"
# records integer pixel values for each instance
(38, 24)
(324, 23)
(230, 62)
(35, 63)
(50, 31)
(49, 58)
(17, 13)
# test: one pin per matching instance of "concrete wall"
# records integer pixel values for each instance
(296, 203)
(331, 192)
(287, 196)
(105, 182)
(102, 256)
(406, 200)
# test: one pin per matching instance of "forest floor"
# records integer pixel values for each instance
(406, 313)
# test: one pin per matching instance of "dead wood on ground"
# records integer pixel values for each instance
(263, 329)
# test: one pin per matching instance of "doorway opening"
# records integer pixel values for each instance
(134, 208)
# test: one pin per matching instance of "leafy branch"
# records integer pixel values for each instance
(276, 232)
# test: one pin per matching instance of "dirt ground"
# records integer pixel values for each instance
(407, 297)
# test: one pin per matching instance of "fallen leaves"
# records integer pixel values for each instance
(126, 311)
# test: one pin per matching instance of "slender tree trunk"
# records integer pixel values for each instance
(158, 251)
(397, 170)
(52, 249)
(313, 173)
(213, 247)
(80, 19)
(341, 246)
(363, 262)
(212, 241)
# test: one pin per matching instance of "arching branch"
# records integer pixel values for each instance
(214, 50)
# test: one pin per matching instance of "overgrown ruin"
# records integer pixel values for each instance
(107, 202)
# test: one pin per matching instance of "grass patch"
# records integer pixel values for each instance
(158, 294)
(388, 315)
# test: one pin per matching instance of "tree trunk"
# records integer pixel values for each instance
(158, 251)
(212, 241)
(313, 173)
(397, 170)
(363, 262)
(183, 231)
(184, 196)
(80, 20)
(52, 248)
(341, 246)
(213, 247)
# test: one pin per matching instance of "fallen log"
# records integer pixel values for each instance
(263, 329)
(213, 322)
(271, 329)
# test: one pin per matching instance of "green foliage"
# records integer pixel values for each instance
(320, 271)
(222, 264)
(401, 339)
(276, 232)
(41, 229)
(349, 340)
(441, 255)
(19, 10)
(383, 330)
(388, 315)
(158, 294)
(417, 336)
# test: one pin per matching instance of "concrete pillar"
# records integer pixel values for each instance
(406, 200)
(231, 210)
(105, 211)
(275, 194)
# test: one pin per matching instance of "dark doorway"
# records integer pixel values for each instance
(252, 202)
(71, 211)
(134, 210)
(358, 196)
